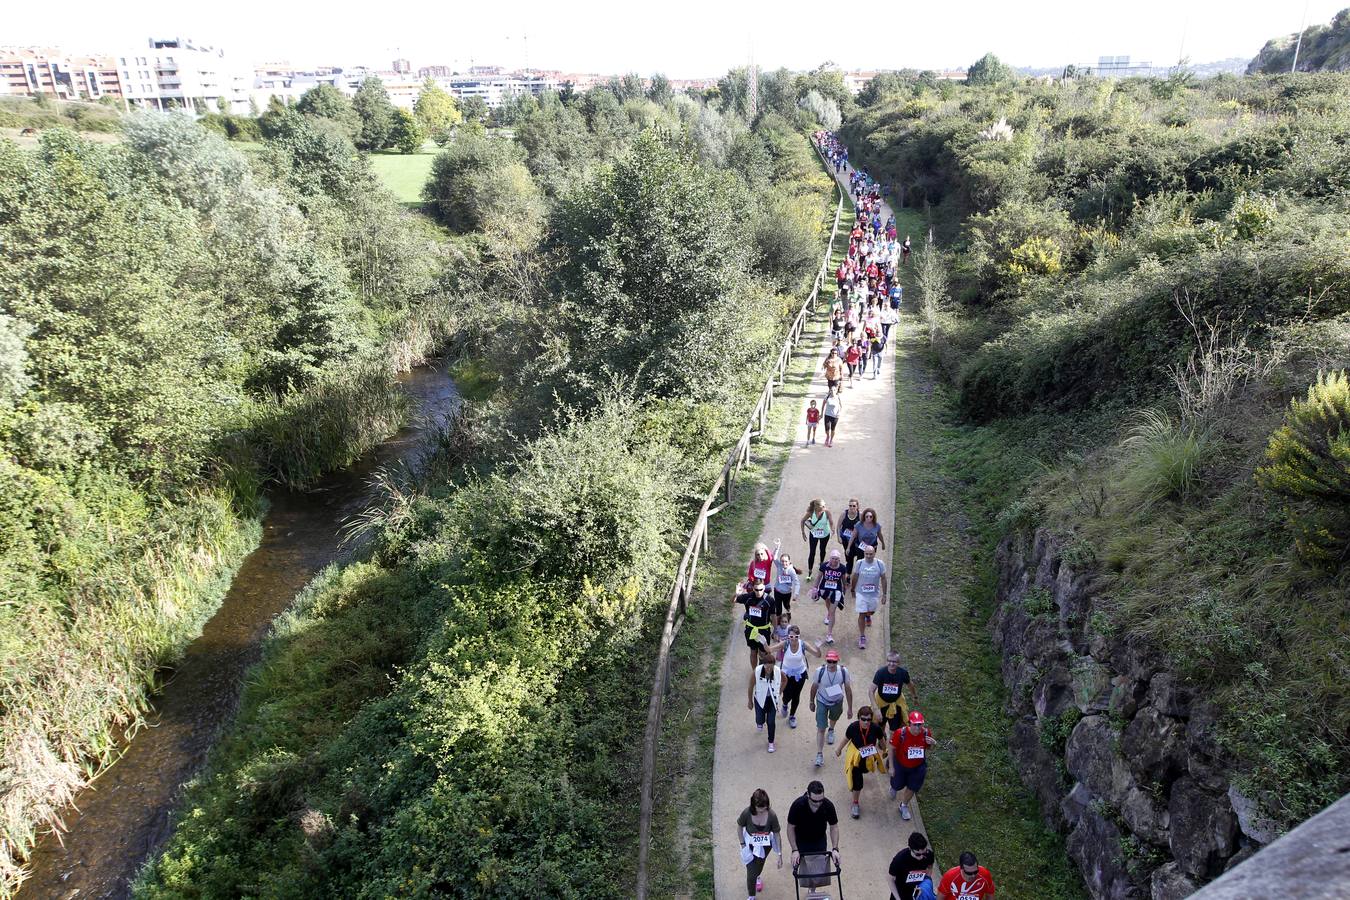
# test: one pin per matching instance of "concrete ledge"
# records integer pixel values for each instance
(1311, 862)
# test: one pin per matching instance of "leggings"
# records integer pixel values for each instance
(766, 713)
(752, 872)
(792, 694)
(853, 555)
(816, 544)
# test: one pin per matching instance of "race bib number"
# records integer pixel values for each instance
(869, 750)
(784, 583)
(756, 612)
(916, 753)
(914, 878)
(831, 695)
(868, 588)
(761, 839)
(968, 897)
(890, 690)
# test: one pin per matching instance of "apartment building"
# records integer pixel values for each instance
(31, 70)
(497, 89)
(177, 73)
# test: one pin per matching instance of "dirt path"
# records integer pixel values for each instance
(861, 464)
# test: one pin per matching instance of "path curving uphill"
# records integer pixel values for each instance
(861, 464)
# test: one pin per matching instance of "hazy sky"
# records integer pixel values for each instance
(689, 38)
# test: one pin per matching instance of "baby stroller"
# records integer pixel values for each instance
(815, 871)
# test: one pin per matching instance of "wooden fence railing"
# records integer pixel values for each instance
(719, 496)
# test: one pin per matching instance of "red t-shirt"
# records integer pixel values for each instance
(852, 355)
(955, 885)
(812, 415)
(911, 749)
(759, 568)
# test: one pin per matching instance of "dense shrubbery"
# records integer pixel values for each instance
(461, 714)
(171, 313)
(1146, 271)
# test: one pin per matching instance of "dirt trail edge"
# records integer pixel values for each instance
(861, 464)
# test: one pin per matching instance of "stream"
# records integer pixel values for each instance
(120, 820)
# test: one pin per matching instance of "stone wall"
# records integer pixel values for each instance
(1122, 757)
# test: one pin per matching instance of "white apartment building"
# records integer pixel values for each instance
(496, 89)
(176, 73)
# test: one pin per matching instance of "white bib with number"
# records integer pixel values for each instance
(914, 878)
(890, 690)
(869, 750)
(915, 753)
(760, 839)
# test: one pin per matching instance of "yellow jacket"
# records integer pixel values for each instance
(853, 758)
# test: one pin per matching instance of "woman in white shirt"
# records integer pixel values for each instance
(766, 694)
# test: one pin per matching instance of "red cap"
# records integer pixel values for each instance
(833, 656)
(916, 718)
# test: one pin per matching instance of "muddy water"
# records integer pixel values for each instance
(123, 817)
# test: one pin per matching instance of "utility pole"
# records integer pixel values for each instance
(1298, 45)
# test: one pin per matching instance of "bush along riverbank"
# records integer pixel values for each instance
(459, 712)
(1140, 298)
(173, 313)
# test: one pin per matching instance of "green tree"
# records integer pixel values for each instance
(436, 110)
(988, 70)
(377, 115)
(659, 91)
(478, 183)
(475, 109)
(324, 101)
(408, 134)
(650, 249)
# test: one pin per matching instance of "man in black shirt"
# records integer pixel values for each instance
(758, 619)
(891, 681)
(809, 818)
(909, 868)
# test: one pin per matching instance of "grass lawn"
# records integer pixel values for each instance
(404, 173)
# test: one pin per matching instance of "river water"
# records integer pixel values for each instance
(124, 816)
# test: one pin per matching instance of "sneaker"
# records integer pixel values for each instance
(904, 812)
(854, 811)
(829, 736)
(759, 885)
(827, 620)
(820, 760)
(862, 641)
(829, 638)
(759, 726)
(792, 723)
(771, 747)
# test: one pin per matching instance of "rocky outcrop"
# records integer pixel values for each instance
(1121, 755)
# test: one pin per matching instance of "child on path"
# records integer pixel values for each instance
(812, 418)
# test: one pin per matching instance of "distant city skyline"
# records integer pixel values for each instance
(701, 39)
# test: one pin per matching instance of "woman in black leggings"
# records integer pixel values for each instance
(795, 669)
(817, 526)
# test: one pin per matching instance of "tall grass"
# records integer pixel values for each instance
(1163, 460)
(329, 426)
(75, 665)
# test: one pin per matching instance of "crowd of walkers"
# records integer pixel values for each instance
(867, 296)
(889, 737)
